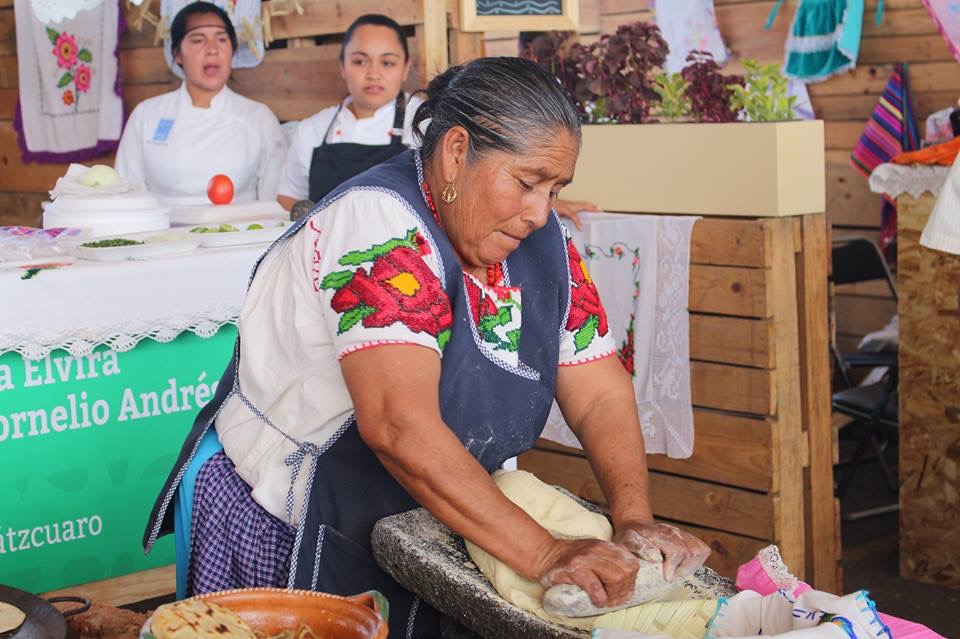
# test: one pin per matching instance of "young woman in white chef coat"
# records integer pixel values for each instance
(174, 143)
(371, 125)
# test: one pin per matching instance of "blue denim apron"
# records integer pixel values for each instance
(495, 408)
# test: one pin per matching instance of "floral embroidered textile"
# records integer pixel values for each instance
(587, 318)
(496, 314)
(69, 107)
(398, 287)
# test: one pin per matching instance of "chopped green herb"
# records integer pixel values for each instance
(115, 241)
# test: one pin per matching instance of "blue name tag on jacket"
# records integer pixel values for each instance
(163, 130)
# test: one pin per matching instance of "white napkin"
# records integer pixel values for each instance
(70, 184)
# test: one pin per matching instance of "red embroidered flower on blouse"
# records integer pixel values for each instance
(398, 287)
(587, 317)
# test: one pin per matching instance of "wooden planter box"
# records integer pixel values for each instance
(762, 468)
(767, 169)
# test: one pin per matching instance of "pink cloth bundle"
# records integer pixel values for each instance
(766, 574)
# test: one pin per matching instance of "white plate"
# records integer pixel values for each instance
(269, 233)
(155, 244)
(220, 213)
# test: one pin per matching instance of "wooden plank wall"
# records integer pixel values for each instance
(295, 81)
(743, 488)
(907, 34)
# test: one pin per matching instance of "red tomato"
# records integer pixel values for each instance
(220, 189)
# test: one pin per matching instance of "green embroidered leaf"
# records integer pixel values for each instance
(337, 279)
(514, 337)
(53, 35)
(349, 319)
(504, 315)
(584, 336)
(65, 79)
(85, 55)
(354, 258)
(442, 338)
(487, 323)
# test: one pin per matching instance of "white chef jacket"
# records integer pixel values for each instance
(295, 178)
(173, 148)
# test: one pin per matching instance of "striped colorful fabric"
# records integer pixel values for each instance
(892, 128)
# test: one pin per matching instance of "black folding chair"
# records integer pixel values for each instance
(873, 407)
(856, 260)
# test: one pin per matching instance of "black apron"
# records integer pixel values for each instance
(334, 164)
(349, 489)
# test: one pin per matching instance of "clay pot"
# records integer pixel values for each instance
(273, 610)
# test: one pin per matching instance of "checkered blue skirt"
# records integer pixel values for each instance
(235, 543)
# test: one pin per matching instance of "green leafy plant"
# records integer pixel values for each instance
(674, 103)
(765, 96)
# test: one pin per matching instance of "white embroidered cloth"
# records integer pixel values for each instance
(689, 25)
(48, 11)
(641, 265)
(85, 304)
(69, 104)
(893, 180)
(246, 18)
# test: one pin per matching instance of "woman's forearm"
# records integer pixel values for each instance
(429, 461)
(600, 407)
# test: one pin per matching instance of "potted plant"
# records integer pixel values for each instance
(649, 136)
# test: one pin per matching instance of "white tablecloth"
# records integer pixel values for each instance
(85, 304)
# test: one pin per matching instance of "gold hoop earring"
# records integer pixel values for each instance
(449, 193)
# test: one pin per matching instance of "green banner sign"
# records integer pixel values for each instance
(85, 445)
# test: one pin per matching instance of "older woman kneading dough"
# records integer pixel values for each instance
(400, 343)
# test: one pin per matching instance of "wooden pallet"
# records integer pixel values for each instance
(761, 471)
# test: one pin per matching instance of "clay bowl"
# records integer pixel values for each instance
(273, 610)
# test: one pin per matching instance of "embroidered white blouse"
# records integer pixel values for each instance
(337, 287)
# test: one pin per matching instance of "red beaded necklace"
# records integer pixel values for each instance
(495, 271)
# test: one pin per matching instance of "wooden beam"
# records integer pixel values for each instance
(434, 45)
(849, 199)
(8, 32)
(729, 449)
(789, 520)
(872, 79)
(732, 340)
(8, 72)
(822, 552)
(21, 209)
(733, 388)
(862, 315)
(463, 46)
(17, 176)
(120, 591)
(726, 242)
(325, 17)
(729, 291)
(676, 498)
(8, 103)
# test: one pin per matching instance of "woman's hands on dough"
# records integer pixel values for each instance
(681, 552)
(606, 571)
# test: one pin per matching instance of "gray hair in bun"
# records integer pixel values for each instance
(505, 104)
